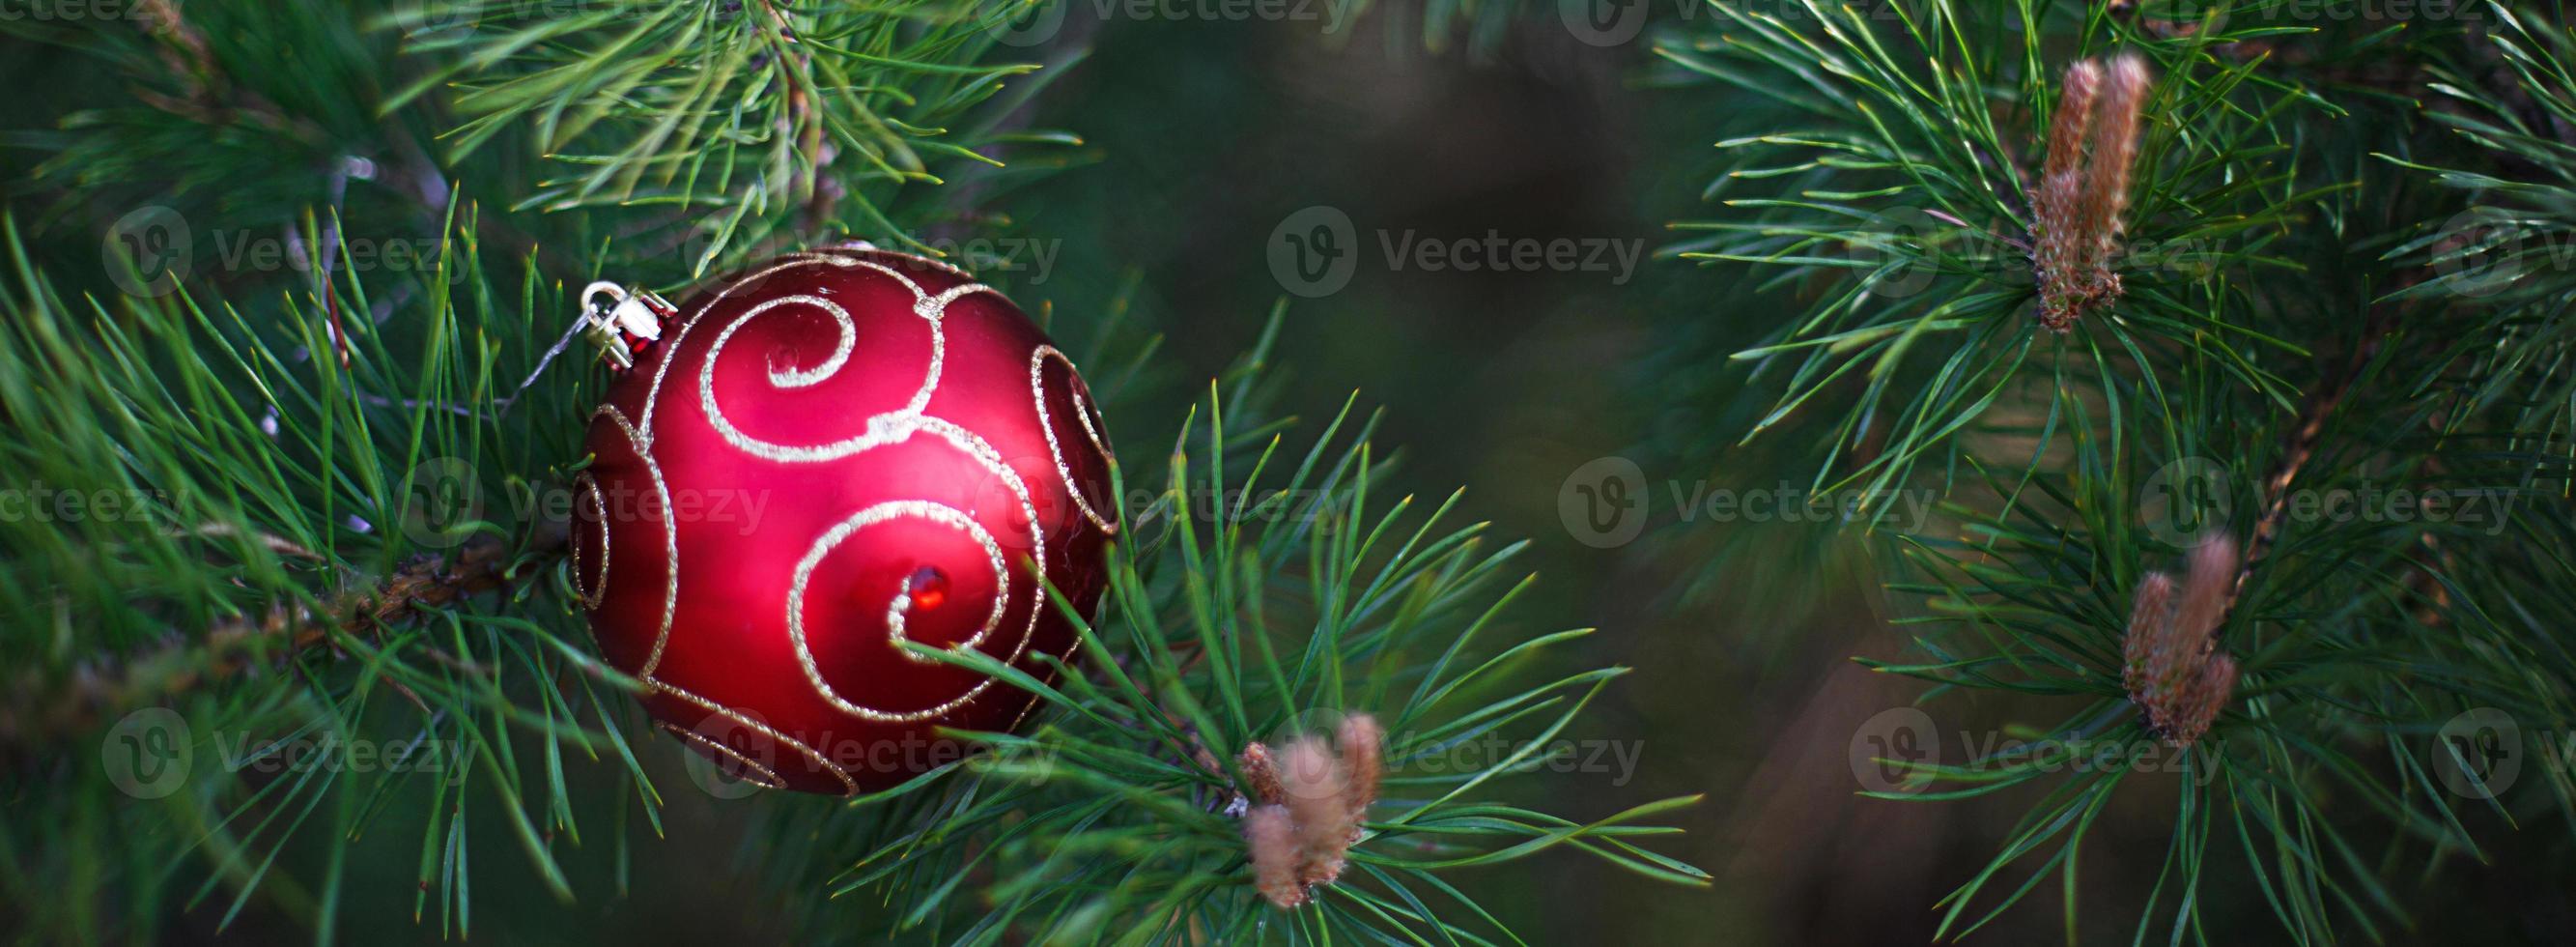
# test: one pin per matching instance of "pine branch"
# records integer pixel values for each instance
(1277, 619)
(1917, 210)
(2305, 682)
(279, 580)
(44, 709)
(712, 127)
(266, 521)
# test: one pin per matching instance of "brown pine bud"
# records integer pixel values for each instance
(1316, 784)
(2058, 246)
(2077, 208)
(1260, 774)
(2066, 134)
(2174, 669)
(1363, 746)
(1272, 839)
(1315, 804)
(2106, 181)
(2147, 615)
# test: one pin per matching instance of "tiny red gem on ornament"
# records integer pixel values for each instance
(928, 587)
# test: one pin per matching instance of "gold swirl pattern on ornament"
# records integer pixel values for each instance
(591, 593)
(759, 775)
(893, 427)
(669, 353)
(833, 257)
(670, 538)
(895, 610)
(1055, 450)
(862, 246)
(811, 755)
(881, 430)
(785, 263)
(662, 371)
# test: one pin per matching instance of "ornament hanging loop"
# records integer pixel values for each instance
(623, 322)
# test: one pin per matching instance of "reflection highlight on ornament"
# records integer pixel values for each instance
(927, 587)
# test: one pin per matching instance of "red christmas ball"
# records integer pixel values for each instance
(836, 452)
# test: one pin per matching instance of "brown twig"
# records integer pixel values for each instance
(205, 95)
(805, 122)
(41, 708)
(209, 97)
(2303, 445)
